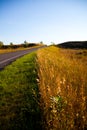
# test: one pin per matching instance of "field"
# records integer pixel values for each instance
(63, 88)
(45, 90)
(2, 51)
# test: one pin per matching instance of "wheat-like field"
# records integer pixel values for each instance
(62, 79)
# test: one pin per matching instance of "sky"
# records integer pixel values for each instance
(50, 21)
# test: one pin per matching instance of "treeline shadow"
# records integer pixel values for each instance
(17, 46)
(73, 45)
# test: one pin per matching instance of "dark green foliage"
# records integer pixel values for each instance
(19, 97)
(74, 44)
(13, 46)
(1, 44)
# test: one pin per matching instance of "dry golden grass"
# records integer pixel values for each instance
(63, 88)
(9, 50)
(17, 49)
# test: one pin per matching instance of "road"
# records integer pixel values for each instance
(7, 58)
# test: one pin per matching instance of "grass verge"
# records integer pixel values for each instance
(63, 88)
(19, 109)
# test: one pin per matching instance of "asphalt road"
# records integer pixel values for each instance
(7, 58)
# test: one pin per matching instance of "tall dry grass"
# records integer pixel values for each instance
(63, 88)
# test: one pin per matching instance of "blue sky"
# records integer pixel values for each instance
(43, 20)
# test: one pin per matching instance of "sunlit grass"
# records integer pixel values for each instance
(19, 95)
(63, 88)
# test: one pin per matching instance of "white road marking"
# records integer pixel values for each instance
(1, 62)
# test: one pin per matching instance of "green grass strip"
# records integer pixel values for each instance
(19, 109)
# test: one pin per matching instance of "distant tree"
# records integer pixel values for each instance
(11, 43)
(26, 43)
(41, 42)
(1, 44)
(52, 43)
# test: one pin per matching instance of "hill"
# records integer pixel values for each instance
(74, 44)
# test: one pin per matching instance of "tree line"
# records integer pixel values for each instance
(15, 46)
